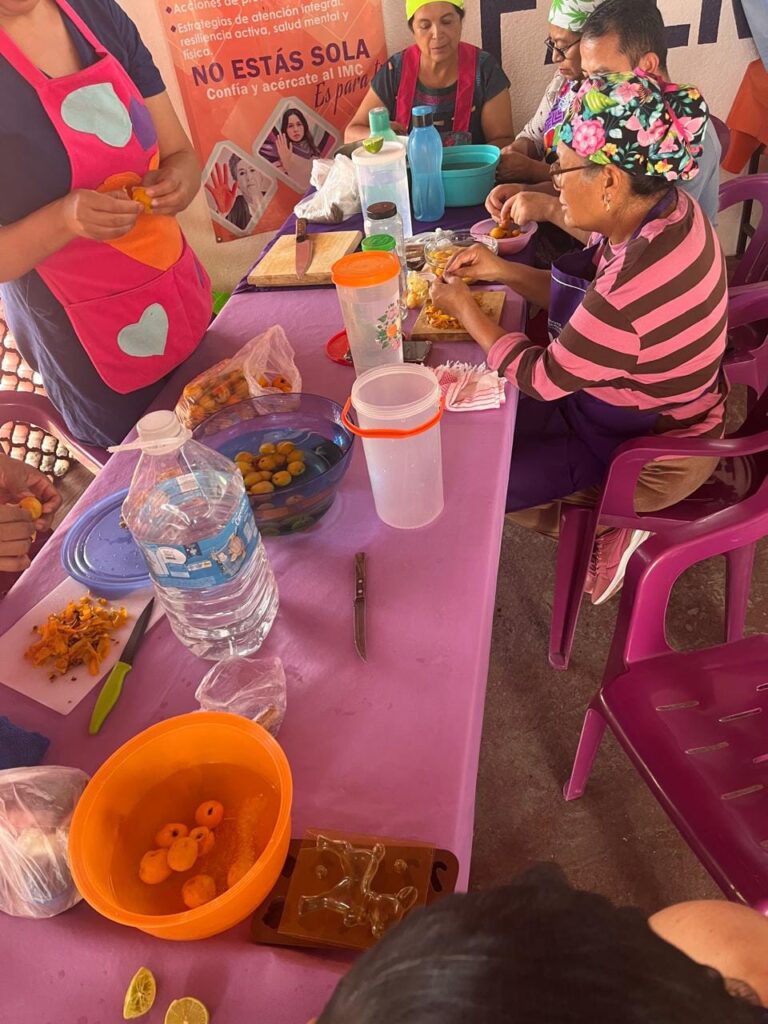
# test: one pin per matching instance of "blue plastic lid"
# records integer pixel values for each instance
(101, 554)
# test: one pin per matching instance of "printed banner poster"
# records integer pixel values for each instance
(268, 86)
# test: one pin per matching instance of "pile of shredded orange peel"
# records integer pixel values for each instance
(79, 635)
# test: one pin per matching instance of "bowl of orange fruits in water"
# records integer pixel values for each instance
(184, 830)
(510, 238)
(292, 452)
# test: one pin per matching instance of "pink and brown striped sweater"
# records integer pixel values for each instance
(650, 333)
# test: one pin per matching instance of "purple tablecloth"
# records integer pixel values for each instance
(388, 747)
(456, 218)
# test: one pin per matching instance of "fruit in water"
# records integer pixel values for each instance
(182, 854)
(170, 833)
(198, 890)
(209, 813)
(204, 839)
(154, 867)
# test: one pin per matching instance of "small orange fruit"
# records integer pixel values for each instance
(262, 487)
(204, 838)
(198, 890)
(286, 447)
(154, 867)
(139, 195)
(182, 854)
(170, 833)
(267, 462)
(32, 505)
(282, 479)
(238, 870)
(296, 468)
(210, 813)
(267, 448)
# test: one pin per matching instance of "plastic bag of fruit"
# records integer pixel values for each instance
(36, 806)
(265, 366)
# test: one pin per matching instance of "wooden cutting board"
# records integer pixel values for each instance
(491, 303)
(278, 268)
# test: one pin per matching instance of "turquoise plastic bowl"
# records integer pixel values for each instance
(469, 174)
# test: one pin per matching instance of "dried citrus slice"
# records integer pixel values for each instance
(187, 1011)
(373, 144)
(140, 995)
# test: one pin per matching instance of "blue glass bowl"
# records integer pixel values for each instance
(313, 424)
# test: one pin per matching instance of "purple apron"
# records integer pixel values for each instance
(566, 445)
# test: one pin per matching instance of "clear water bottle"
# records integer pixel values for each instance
(383, 219)
(188, 511)
(378, 120)
(425, 155)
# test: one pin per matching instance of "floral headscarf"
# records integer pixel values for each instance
(638, 122)
(571, 14)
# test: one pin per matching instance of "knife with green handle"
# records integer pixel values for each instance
(113, 685)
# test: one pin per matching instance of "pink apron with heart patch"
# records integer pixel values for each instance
(141, 304)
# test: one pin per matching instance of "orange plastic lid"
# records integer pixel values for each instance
(365, 269)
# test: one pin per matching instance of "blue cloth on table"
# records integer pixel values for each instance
(19, 748)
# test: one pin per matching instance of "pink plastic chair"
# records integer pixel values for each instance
(738, 478)
(695, 725)
(26, 407)
(746, 359)
(753, 266)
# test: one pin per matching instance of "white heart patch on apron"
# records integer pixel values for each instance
(97, 110)
(149, 336)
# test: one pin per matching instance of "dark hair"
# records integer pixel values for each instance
(645, 186)
(234, 163)
(535, 952)
(293, 112)
(459, 10)
(638, 24)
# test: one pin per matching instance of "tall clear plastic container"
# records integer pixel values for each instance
(188, 511)
(398, 412)
(383, 178)
(425, 155)
(368, 287)
(386, 243)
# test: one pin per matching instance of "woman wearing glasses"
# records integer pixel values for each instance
(637, 320)
(523, 160)
(466, 87)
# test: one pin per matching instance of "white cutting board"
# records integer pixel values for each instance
(64, 693)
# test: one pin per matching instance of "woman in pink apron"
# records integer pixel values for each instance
(100, 288)
(637, 321)
(465, 86)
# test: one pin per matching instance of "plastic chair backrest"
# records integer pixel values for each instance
(37, 410)
(753, 265)
(652, 571)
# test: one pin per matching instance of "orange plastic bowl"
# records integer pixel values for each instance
(159, 776)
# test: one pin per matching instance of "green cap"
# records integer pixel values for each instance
(379, 243)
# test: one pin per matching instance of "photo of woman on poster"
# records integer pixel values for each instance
(291, 146)
(238, 189)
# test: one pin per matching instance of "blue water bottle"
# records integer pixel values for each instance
(425, 155)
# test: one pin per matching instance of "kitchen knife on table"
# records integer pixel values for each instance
(113, 685)
(360, 605)
(303, 248)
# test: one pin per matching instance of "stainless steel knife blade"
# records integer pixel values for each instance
(360, 589)
(303, 248)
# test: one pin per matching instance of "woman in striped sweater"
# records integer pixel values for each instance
(637, 321)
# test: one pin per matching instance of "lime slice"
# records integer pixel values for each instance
(140, 995)
(374, 144)
(187, 1011)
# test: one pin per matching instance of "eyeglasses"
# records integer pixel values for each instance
(559, 53)
(556, 173)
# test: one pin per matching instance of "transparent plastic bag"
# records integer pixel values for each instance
(250, 687)
(265, 366)
(337, 197)
(36, 806)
